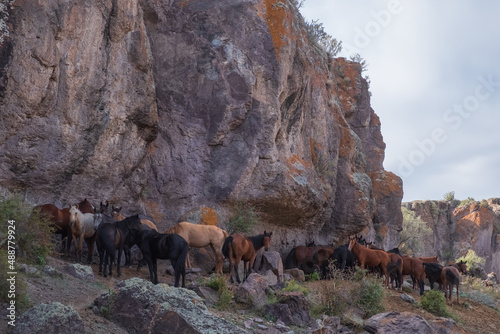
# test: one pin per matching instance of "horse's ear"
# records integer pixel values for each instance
(265, 232)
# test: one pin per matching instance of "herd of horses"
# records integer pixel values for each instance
(390, 264)
(112, 232)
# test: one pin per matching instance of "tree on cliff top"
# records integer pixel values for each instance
(414, 231)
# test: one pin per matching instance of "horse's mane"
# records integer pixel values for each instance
(433, 268)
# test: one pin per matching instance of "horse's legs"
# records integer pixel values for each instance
(155, 270)
(106, 257)
(236, 267)
(118, 261)
(219, 259)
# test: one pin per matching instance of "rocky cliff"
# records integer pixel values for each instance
(458, 228)
(165, 106)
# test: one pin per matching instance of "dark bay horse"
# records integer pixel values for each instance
(111, 238)
(448, 276)
(302, 257)
(237, 247)
(154, 245)
(371, 257)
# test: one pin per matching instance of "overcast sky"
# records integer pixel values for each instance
(434, 68)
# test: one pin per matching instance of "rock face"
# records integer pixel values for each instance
(162, 107)
(457, 229)
(159, 307)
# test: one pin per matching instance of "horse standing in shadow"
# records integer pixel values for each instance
(237, 247)
(111, 238)
(154, 246)
(448, 276)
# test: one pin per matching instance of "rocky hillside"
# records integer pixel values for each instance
(458, 228)
(166, 106)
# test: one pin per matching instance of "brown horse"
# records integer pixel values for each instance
(432, 259)
(414, 268)
(395, 269)
(237, 247)
(200, 236)
(117, 215)
(370, 257)
(448, 276)
(60, 222)
(303, 257)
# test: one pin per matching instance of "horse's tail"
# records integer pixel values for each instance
(226, 235)
(181, 261)
(290, 260)
(225, 248)
(451, 277)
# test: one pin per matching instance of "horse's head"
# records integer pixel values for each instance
(267, 240)
(73, 214)
(115, 212)
(97, 220)
(103, 208)
(352, 242)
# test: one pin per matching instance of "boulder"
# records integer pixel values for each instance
(47, 319)
(79, 271)
(252, 291)
(271, 260)
(140, 306)
(398, 323)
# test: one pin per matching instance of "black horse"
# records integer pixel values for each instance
(154, 245)
(344, 258)
(433, 273)
(111, 237)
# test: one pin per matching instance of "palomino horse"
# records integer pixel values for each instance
(82, 227)
(112, 237)
(370, 257)
(154, 245)
(117, 215)
(60, 222)
(237, 247)
(200, 236)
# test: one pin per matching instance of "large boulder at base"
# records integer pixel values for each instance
(252, 291)
(142, 307)
(49, 318)
(408, 323)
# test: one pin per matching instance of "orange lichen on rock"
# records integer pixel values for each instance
(208, 216)
(346, 145)
(279, 21)
(385, 184)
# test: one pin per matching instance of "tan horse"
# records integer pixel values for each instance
(370, 257)
(200, 236)
(118, 216)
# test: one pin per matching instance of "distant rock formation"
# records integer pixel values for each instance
(457, 229)
(162, 107)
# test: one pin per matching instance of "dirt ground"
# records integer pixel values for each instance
(471, 317)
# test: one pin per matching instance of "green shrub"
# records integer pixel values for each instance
(449, 196)
(415, 230)
(371, 297)
(33, 233)
(293, 285)
(434, 302)
(472, 260)
(313, 277)
(243, 220)
(331, 298)
(218, 282)
(467, 201)
(317, 35)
